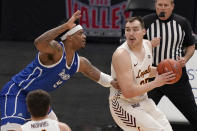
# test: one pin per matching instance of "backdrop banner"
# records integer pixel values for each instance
(103, 18)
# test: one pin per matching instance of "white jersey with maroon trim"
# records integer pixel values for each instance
(141, 71)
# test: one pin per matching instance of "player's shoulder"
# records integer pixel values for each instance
(63, 127)
(56, 44)
(148, 43)
(120, 52)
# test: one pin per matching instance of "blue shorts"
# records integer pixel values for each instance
(13, 104)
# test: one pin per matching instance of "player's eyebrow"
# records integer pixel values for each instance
(131, 27)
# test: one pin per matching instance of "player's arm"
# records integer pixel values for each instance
(63, 127)
(45, 43)
(95, 74)
(122, 66)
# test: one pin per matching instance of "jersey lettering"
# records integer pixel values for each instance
(38, 125)
(144, 81)
(142, 73)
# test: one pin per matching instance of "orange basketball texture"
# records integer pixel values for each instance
(170, 65)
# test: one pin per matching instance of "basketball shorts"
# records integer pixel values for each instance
(142, 116)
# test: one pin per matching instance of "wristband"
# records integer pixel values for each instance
(105, 80)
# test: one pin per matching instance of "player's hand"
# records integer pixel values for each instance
(155, 41)
(164, 78)
(114, 83)
(181, 60)
(75, 16)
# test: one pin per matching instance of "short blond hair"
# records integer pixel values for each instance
(172, 1)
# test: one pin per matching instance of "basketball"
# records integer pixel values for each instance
(170, 65)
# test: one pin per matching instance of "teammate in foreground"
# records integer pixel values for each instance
(38, 104)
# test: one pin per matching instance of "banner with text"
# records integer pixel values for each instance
(100, 17)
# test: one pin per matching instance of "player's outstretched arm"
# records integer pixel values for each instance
(43, 42)
(95, 74)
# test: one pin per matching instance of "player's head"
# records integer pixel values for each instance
(164, 8)
(134, 30)
(76, 36)
(38, 103)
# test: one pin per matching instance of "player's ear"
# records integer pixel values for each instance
(144, 31)
(49, 109)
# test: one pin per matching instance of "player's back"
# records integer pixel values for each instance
(43, 125)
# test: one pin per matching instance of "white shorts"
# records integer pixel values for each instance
(142, 116)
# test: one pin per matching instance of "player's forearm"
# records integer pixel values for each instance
(94, 73)
(51, 34)
(99, 77)
(137, 90)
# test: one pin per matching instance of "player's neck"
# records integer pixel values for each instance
(39, 118)
(69, 49)
(137, 47)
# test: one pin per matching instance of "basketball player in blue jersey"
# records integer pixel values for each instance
(55, 63)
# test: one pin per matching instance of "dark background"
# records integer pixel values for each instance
(81, 102)
(27, 19)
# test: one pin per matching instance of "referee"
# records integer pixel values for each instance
(174, 34)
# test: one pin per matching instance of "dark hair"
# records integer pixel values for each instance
(38, 102)
(138, 18)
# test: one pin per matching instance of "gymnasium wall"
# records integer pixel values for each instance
(25, 20)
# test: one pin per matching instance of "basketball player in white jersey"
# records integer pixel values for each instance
(130, 107)
(38, 103)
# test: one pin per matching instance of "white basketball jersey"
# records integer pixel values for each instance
(141, 71)
(43, 125)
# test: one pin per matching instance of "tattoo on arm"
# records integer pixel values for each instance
(89, 70)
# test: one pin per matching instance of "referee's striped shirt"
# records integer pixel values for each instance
(175, 34)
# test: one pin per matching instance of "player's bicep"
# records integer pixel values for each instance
(122, 66)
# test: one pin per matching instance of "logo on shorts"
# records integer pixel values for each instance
(135, 105)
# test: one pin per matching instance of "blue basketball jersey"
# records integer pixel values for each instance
(39, 76)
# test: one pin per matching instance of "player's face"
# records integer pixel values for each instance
(165, 6)
(134, 32)
(79, 39)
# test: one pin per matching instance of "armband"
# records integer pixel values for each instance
(105, 80)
